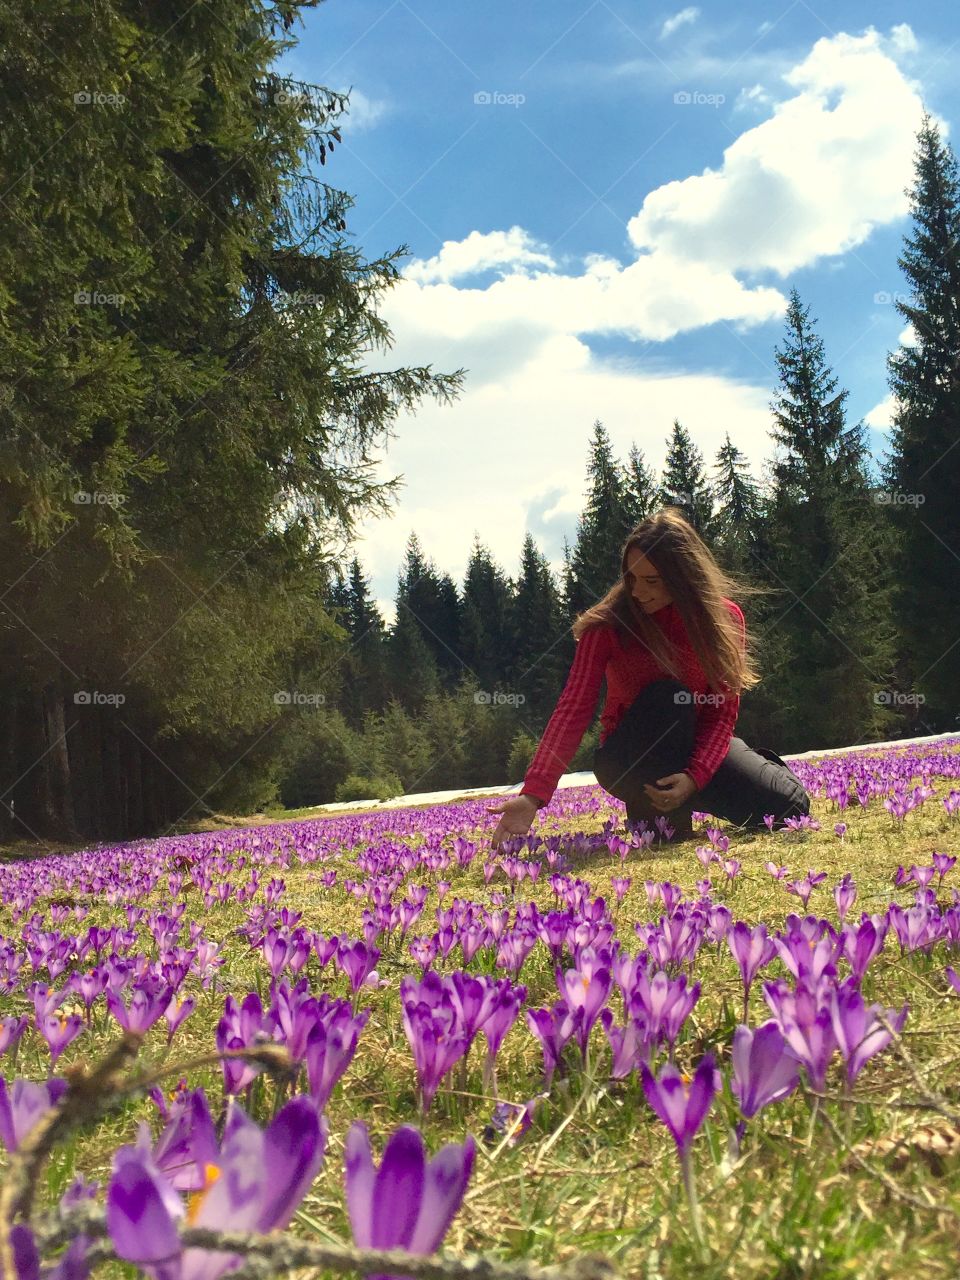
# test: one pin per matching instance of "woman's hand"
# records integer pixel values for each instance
(671, 791)
(517, 813)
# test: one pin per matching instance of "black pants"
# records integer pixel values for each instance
(655, 737)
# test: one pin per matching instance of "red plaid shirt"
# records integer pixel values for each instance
(628, 670)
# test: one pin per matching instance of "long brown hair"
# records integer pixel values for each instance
(698, 586)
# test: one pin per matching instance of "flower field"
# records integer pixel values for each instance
(731, 1056)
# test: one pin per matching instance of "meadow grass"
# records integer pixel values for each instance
(597, 1171)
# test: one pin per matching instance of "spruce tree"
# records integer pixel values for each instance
(486, 601)
(738, 511)
(922, 471)
(537, 636)
(684, 483)
(642, 488)
(364, 662)
(602, 528)
(828, 557)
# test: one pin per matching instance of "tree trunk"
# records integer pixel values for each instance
(58, 797)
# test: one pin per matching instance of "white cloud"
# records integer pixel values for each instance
(683, 18)
(480, 251)
(813, 180)
(881, 415)
(363, 112)
(756, 96)
(902, 38)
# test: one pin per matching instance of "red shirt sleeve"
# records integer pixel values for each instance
(572, 715)
(715, 724)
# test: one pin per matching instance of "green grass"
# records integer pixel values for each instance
(795, 1205)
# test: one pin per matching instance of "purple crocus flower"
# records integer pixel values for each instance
(844, 895)
(177, 1012)
(59, 1031)
(11, 1029)
(553, 1028)
(23, 1104)
(680, 1101)
(187, 1144)
(330, 1049)
(753, 950)
(357, 960)
(629, 1045)
(148, 1001)
(256, 1184)
(435, 1038)
(588, 993)
(410, 1201)
(859, 1032)
(765, 1068)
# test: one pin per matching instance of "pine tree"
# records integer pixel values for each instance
(412, 645)
(684, 483)
(642, 489)
(603, 526)
(738, 510)
(922, 471)
(364, 663)
(486, 602)
(538, 635)
(828, 549)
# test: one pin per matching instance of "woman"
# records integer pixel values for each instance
(673, 649)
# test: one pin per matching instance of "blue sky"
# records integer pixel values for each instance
(606, 206)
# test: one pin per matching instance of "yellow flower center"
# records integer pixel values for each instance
(211, 1175)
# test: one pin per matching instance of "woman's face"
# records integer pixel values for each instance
(645, 583)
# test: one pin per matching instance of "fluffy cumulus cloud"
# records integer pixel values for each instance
(681, 19)
(512, 252)
(811, 181)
